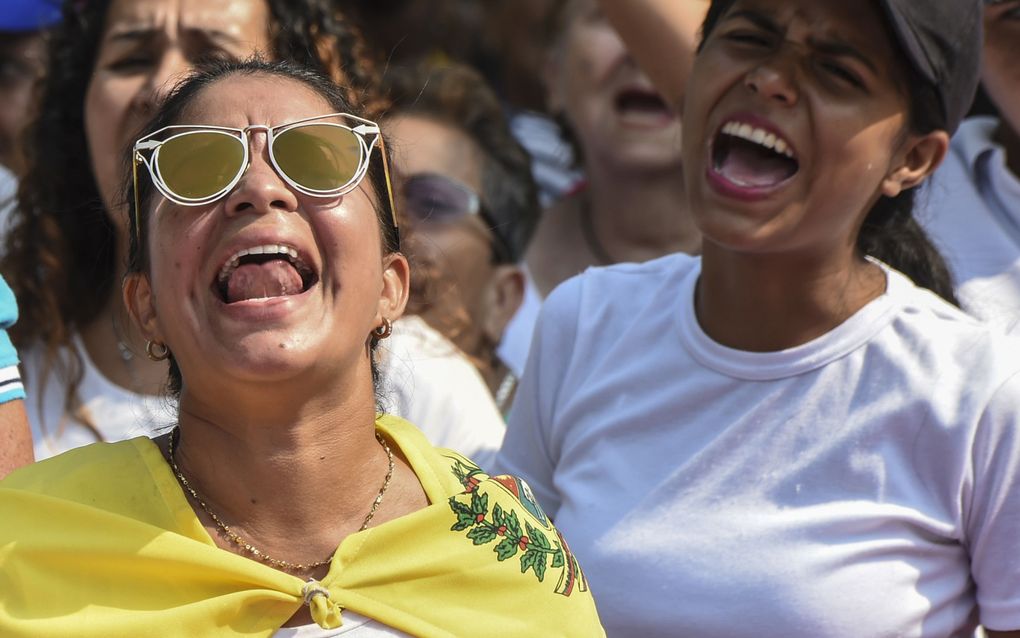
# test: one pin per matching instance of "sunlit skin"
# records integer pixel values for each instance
(816, 71)
(1000, 73)
(146, 47)
(590, 68)
(471, 286)
(662, 35)
(278, 404)
(629, 138)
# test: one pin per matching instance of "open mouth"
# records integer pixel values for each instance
(752, 157)
(643, 104)
(263, 272)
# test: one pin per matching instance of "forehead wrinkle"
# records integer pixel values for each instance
(254, 112)
(149, 18)
(831, 41)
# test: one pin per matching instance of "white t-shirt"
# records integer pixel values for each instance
(973, 216)
(355, 626)
(117, 413)
(864, 484)
(429, 382)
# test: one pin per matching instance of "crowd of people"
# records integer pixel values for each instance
(533, 317)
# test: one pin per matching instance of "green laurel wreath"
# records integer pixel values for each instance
(532, 543)
(535, 546)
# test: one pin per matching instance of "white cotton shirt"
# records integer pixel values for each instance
(864, 484)
(355, 626)
(971, 209)
(431, 383)
(117, 413)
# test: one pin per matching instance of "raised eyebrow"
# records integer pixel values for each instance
(757, 18)
(836, 48)
(127, 35)
(144, 33)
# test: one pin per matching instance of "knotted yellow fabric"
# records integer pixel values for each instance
(102, 542)
(325, 612)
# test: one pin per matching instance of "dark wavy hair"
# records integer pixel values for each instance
(172, 111)
(890, 232)
(61, 253)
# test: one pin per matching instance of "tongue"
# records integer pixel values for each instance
(276, 278)
(754, 166)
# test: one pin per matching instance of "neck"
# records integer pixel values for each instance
(641, 217)
(1010, 140)
(270, 467)
(765, 303)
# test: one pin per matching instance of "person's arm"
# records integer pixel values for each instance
(662, 35)
(15, 435)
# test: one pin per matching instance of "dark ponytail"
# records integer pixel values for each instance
(890, 232)
(892, 235)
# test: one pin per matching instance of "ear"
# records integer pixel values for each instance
(504, 296)
(395, 289)
(140, 304)
(919, 157)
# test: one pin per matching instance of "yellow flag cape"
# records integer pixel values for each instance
(101, 541)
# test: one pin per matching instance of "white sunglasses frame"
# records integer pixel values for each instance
(363, 131)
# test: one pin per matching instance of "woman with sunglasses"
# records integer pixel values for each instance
(86, 372)
(790, 435)
(471, 202)
(264, 265)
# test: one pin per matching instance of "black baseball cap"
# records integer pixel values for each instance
(943, 40)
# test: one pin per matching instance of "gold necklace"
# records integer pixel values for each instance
(246, 546)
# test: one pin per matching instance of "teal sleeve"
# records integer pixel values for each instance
(10, 381)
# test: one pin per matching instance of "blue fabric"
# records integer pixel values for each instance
(8, 355)
(29, 15)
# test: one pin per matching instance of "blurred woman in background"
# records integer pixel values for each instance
(631, 204)
(111, 62)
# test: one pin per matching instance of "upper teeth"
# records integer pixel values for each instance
(268, 249)
(758, 136)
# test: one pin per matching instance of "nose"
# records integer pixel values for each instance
(260, 190)
(774, 79)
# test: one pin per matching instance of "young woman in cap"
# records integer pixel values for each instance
(790, 435)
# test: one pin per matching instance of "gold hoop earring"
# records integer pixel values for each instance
(157, 351)
(383, 331)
